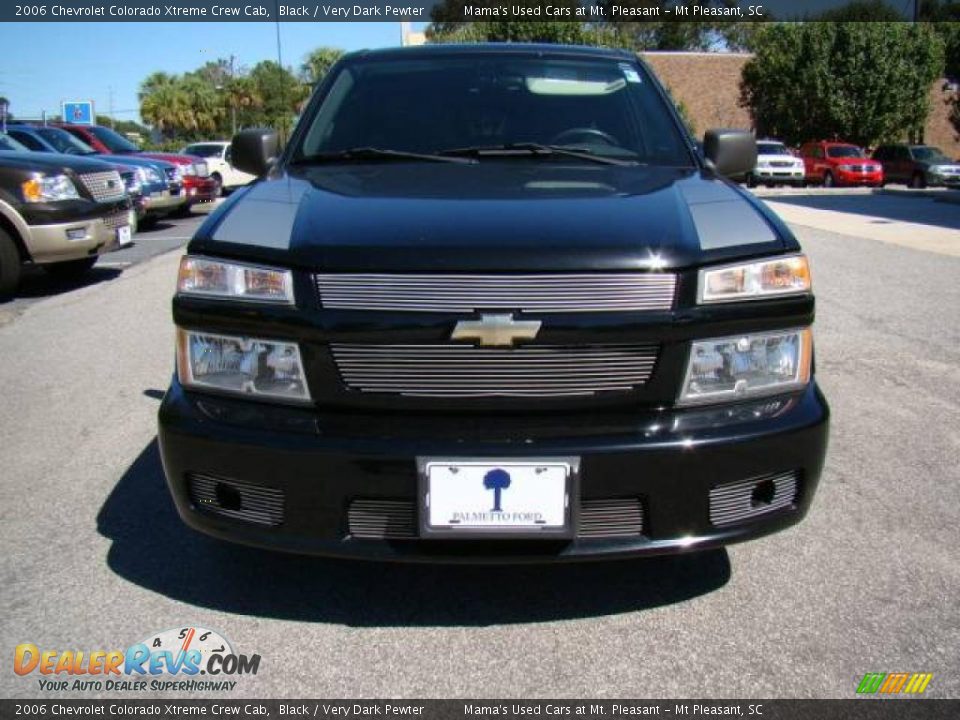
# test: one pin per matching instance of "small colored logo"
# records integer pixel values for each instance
(894, 683)
(497, 480)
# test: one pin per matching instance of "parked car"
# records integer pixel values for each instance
(837, 164)
(554, 334)
(776, 165)
(55, 140)
(917, 165)
(217, 155)
(190, 176)
(10, 144)
(59, 212)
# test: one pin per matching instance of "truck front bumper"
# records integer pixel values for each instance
(60, 242)
(344, 485)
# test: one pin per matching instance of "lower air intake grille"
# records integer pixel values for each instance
(748, 499)
(382, 519)
(397, 519)
(237, 500)
(608, 518)
(466, 371)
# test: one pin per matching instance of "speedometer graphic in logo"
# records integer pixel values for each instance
(184, 639)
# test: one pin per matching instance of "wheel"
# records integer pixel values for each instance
(918, 181)
(182, 211)
(828, 180)
(751, 180)
(219, 180)
(147, 222)
(9, 264)
(71, 269)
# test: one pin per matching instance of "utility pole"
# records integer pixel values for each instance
(109, 106)
(233, 100)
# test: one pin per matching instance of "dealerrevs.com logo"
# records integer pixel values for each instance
(181, 659)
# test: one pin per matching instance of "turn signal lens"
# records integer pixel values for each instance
(744, 366)
(768, 278)
(215, 278)
(241, 365)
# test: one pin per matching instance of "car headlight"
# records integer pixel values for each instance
(200, 169)
(215, 278)
(49, 188)
(240, 365)
(133, 185)
(744, 366)
(939, 169)
(845, 168)
(789, 275)
(763, 163)
(178, 174)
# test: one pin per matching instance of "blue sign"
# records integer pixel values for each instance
(79, 112)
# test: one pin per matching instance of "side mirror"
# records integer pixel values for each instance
(254, 151)
(731, 152)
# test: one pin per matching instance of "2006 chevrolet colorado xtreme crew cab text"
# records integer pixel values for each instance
(491, 303)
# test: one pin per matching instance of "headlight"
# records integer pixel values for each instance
(133, 185)
(200, 169)
(939, 169)
(763, 163)
(241, 365)
(52, 188)
(216, 278)
(178, 174)
(845, 168)
(745, 366)
(788, 275)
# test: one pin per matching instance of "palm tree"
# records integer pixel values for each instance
(318, 62)
(497, 480)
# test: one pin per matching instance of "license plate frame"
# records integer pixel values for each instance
(124, 236)
(571, 491)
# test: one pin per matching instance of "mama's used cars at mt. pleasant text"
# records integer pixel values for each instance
(490, 303)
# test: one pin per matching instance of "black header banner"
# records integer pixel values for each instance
(421, 10)
(853, 709)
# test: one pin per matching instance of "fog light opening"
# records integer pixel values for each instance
(228, 498)
(763, 493)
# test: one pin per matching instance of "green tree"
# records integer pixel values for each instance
(318, 62)
(863, 82)
(280, 94)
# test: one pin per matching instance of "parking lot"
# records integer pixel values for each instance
(97, 558)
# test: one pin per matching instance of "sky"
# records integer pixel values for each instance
(46, 63)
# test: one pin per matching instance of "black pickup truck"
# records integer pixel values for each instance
(490, 303)
(57, 211)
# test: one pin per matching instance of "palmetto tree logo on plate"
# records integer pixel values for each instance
(497, 480)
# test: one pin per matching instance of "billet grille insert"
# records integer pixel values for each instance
(238, 500)
(600, 518)
(541, 293)
(467, 371)
(104, 186)
(116, 220)
(734, 502)
(610, 517)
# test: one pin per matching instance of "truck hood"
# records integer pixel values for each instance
(54, 162)
(489, 216)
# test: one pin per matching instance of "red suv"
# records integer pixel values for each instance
(839, 164)
(197, 185)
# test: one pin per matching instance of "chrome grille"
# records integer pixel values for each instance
(622, 292)
(238, 500)
(610, 517)
(466, 371)
(104, 186)
(734, 502)
(382, 519)
(397, 519)
(116, 220)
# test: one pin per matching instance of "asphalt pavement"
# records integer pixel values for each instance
(95, 558)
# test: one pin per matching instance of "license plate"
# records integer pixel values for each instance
(157, 194)
(484, 497)
(123, 235)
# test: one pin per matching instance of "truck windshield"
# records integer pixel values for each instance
(928, 154)
(772, 149)
(64, 142)
(114, 141)
(844, 151)
(452, 104)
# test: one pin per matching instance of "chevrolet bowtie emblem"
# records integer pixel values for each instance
(496, 330)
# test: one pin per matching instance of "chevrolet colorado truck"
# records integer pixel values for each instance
(490, 304)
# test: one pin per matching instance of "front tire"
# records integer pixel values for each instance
(71, 269)
(751, 180)
(918, 181)
(828, 181)
(9, 265)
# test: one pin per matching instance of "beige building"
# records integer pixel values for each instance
(708, 84)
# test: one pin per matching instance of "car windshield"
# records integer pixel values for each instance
(483, 102)
(772, 149)
(114, 141)
(8, 143)
(929, 154)
(204, 151)
(64, 142)
(844, 151)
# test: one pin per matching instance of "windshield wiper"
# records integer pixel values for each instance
(536, 150)
(372, 153)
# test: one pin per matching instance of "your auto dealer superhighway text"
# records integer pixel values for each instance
(309, 11)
